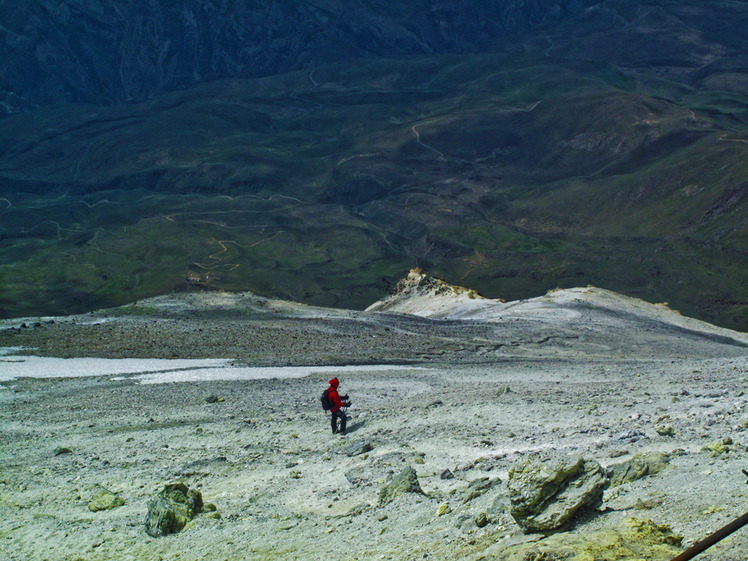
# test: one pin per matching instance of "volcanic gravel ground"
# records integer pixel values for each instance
(473, 397)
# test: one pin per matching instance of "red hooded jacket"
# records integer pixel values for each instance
(337, 403)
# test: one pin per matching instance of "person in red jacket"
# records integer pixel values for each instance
(338, 403)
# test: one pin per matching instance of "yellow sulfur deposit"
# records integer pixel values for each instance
(633, 539)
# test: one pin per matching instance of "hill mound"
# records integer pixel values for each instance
(426, 296)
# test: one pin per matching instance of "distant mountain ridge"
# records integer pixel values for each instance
(114, 51)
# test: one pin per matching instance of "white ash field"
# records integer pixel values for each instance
(221, 392)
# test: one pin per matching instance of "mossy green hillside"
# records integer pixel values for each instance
(508, 174)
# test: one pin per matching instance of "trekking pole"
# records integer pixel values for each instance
(717, 536)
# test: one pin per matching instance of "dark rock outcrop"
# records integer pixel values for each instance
(171, 510)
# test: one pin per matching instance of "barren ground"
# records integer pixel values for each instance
(568, 374)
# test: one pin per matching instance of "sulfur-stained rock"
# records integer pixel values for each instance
(628, 471)
(405, 482)
(104, 499)
(172, 509)
(718, 447)
(637, 467)
(634, 538)
(545, 495)
(665, 430)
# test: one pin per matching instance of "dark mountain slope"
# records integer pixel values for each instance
(113, 51)
(512, 172)
(528, 176)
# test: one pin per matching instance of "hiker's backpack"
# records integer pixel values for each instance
(325, 399)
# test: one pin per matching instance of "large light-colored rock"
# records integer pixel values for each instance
(545, 495)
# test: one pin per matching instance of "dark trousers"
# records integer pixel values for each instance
(334, 421)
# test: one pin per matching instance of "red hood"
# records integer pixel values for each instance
(334, 383)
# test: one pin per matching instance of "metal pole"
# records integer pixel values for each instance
(708, 542)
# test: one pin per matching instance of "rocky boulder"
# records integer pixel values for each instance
(171, 510)
(405, 482)
(545, 495)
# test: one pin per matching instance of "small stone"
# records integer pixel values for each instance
(478, 487)
(59, 451)
(405, 482)
(481, 520)
(104, 499)
(716, 448)
(446, 474)
(211, 398)
(665, 430)
(288, 524)
(444, 509)
(358, 448)
(637, 467)
(648, 503)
